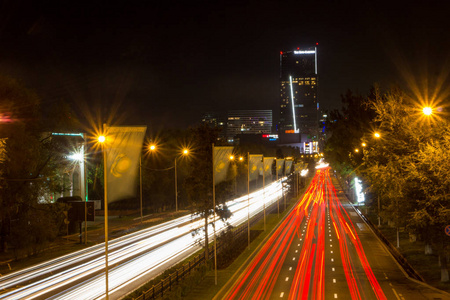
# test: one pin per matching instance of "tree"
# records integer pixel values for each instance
(347, 127)
(27, 172)
(198, 184)
(409, 168)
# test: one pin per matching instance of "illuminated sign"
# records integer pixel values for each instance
(289, 131)
(305, 52)
(270, 136)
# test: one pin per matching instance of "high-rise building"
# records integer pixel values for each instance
(299, 106)
(248, 122)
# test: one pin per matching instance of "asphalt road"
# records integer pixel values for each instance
(133, 259)
(323, 250)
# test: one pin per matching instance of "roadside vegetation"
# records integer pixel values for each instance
(400, 152)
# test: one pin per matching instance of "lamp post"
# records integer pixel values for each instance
(102, 140)
(185, 152)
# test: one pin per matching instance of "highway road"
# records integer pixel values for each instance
(133, 259)
(323, 250)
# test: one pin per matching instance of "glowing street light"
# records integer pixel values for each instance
(377, 135)
(427, 111)
(102, 139)
(363, 144)
(152, 147)
(356, 150)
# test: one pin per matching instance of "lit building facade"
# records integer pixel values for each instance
(248, 122)
(299, 106)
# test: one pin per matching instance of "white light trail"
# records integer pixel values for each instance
(80, 275)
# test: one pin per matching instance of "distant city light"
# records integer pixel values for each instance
(305, 52)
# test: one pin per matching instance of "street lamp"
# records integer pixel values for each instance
(363, 144)
(185, 152)
(102, 139)
(377, 135)
(427, 111)
(356, 150)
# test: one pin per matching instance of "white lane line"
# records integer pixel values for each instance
(290, 268)
(299, 245)
(287, 279)
(281, 295)
(332, 259)
(331, 251)
(335, 296)
(332, 269)
(331, 245)
(293, 258)
(395, 293)
(334, 280)
(296, 251)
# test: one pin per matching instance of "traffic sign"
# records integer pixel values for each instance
(447, 230)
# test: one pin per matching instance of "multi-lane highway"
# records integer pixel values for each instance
(133, 259)
(323, 250)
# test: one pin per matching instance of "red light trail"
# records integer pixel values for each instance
(306, 223)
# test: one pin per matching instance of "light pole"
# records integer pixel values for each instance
(185, 153)
(102, 140)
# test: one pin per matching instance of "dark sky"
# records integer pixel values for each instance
(164, 63)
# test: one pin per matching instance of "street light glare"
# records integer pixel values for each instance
(231, 157)
(241, 158)
(152, 147)
(377, 135)
(363, 144)
(102, 139)
(356, 150)
(427, 111)
(185, 151)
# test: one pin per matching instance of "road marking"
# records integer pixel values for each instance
(331, 240)
(296, 251)
(332, 269)
(335, 295)
(287, 278)
(281, 295)
(334, 280)
(331, 245)
(332, 259)
(290, 268)
(331, 251)
(395, 293)
(293, 258)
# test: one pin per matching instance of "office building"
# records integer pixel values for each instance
(248, 122)
(299, 106)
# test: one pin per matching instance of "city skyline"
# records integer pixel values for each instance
(165, 64)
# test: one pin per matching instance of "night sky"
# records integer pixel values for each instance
(164, 63)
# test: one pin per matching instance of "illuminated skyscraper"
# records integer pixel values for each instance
(299, 106)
